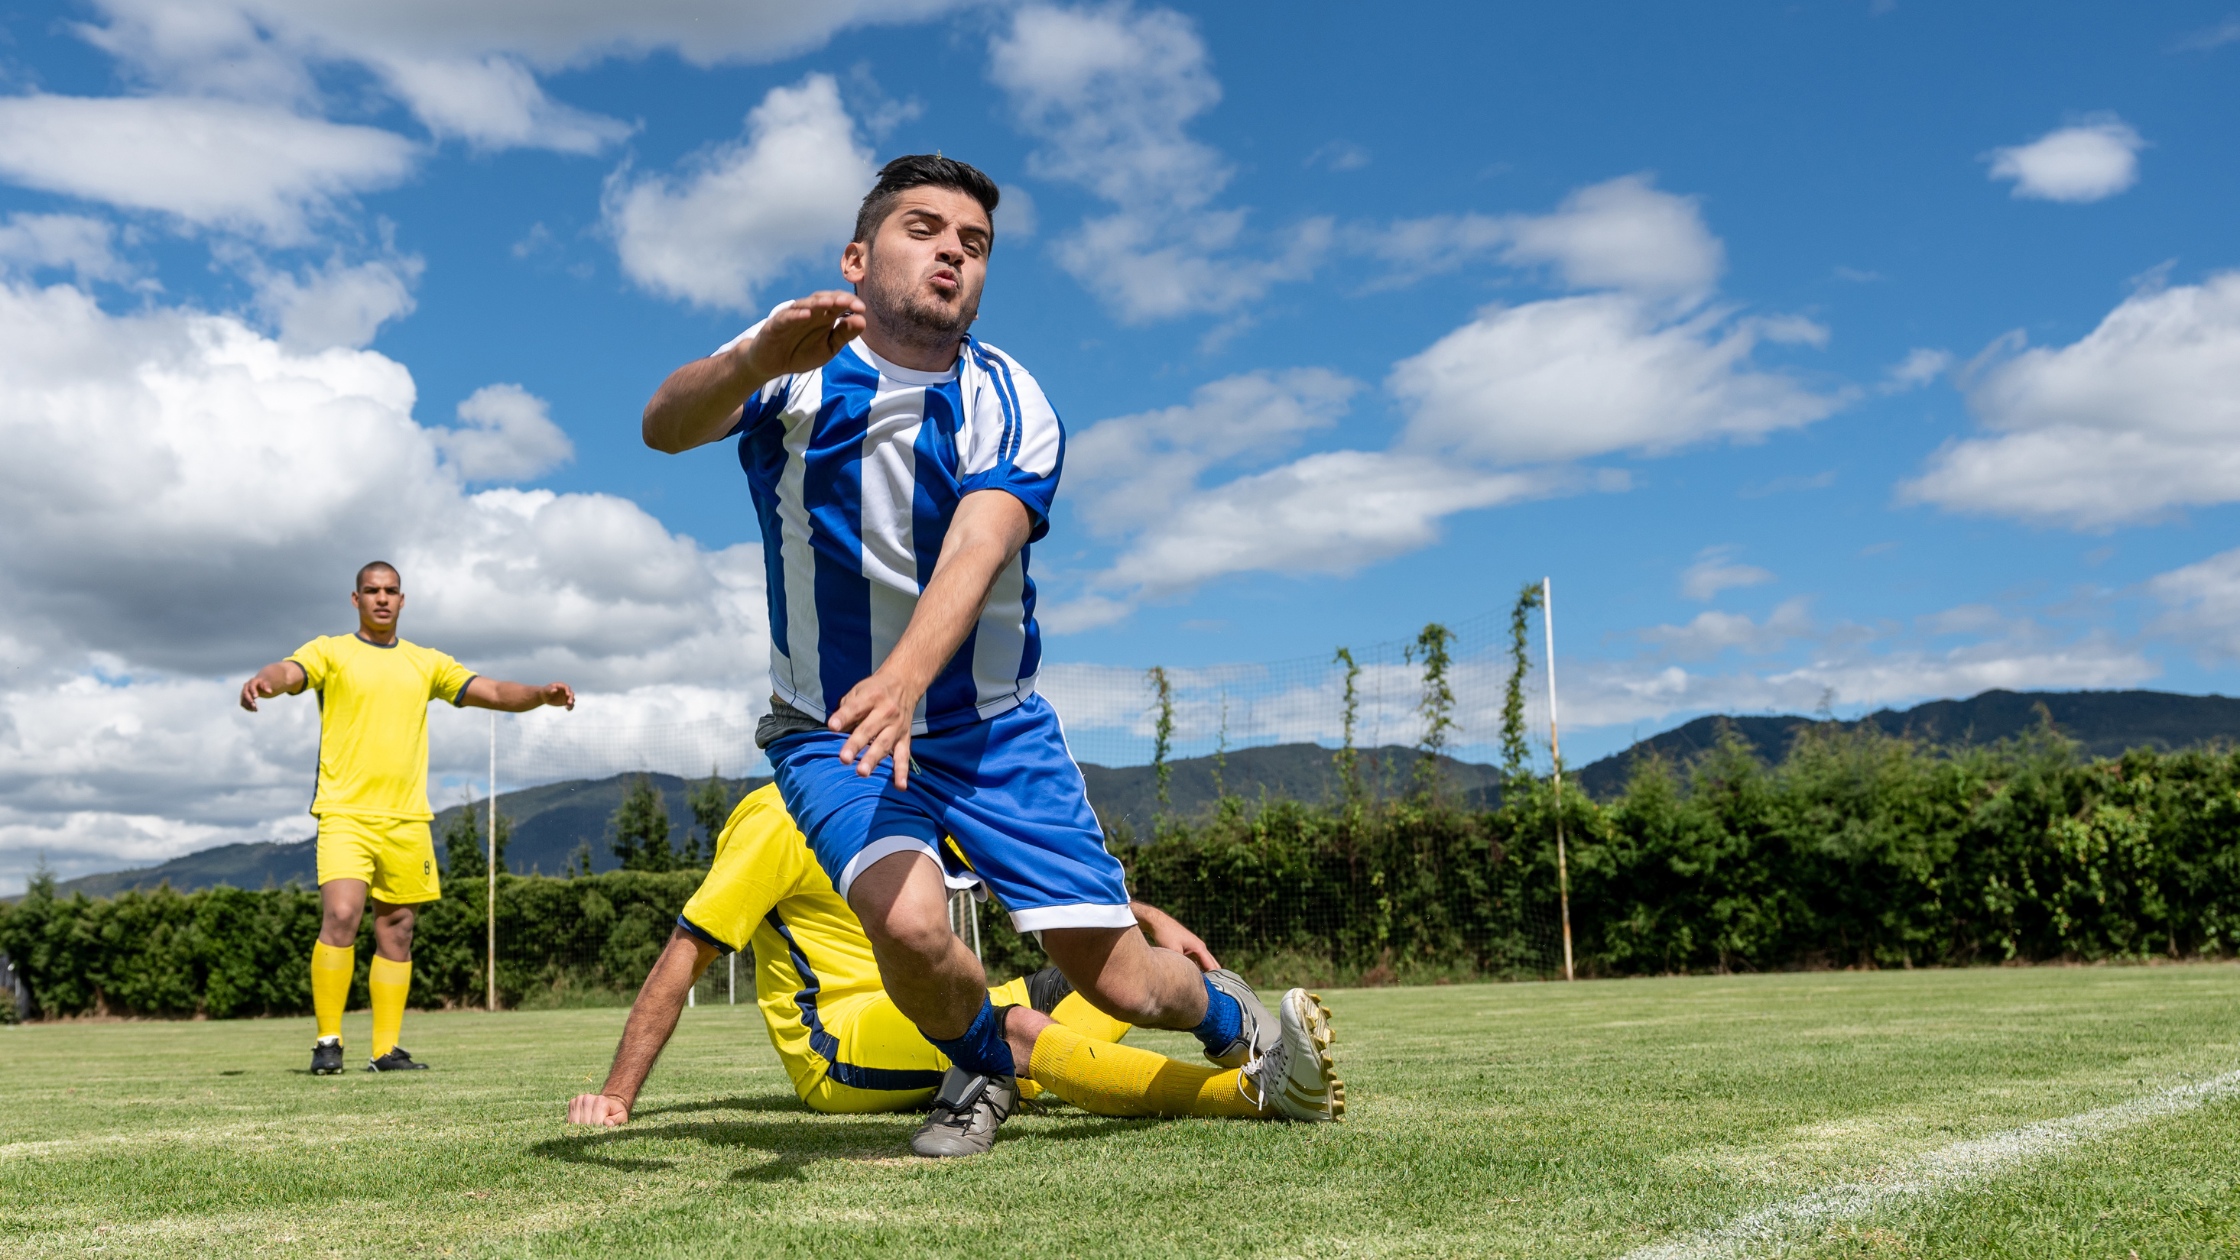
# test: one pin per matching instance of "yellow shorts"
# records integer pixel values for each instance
(874, 1033)
(396, 857)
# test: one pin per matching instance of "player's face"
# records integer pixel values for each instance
(926, 263)
(379, 598)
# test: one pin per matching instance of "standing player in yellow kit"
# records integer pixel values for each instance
(372, 799)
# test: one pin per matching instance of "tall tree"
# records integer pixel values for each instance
(711, 805)
(641, 830)
(464, 842)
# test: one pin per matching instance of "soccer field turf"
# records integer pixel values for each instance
(1499, 1120)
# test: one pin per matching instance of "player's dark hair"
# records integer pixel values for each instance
(359, 583)
(920, 170)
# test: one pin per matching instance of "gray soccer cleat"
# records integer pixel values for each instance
(1297, 1079)
(965, 1114)
(1258, 1033)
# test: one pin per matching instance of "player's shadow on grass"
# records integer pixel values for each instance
(795, 1146)
(786, 1103)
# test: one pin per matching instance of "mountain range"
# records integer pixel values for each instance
(551, 821)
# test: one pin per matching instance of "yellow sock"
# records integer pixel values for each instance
(1116, 1080)
(1075, 1012)
(331, 968)
(388, 982)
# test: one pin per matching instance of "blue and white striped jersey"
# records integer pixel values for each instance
(856, 470)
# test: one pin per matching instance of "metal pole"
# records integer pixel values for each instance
(1555, 755)
(490, 906)
(733, 957)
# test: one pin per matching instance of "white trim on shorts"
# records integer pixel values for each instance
(876, 850)
(1077, 915)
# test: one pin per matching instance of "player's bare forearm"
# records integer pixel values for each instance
(513, 697)
(653, 1018)
(277, 679)
(987, 530)
(701, 401)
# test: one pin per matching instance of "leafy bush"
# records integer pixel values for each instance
(1859, 849)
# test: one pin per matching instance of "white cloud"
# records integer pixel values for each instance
(509, 436)
(2089, 161)
(1334, 512)
(2207, 38)
(185, 499)
(468, 71)
(1110, 93)
(209, 163)
(2129, 423)
(1131, 471)
(1918, 368)
(1499, 410)
(1715, 571)
(2202, 605)
(63, 242)
(742, 214)
(494, 102)
(337, 304)
(1576, 377)
(1622, 234)
(1713, 633)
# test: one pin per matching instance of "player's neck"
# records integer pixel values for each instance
(377, 635)
(925, 352)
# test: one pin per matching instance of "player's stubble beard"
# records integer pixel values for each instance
(907, 315)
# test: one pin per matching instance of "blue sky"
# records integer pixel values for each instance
(1862, 350)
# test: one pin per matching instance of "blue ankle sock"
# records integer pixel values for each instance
(1223, 1023)
(982, 1049)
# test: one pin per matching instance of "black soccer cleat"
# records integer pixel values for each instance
(1046, 988)
(326, 1056)
(397, 1060)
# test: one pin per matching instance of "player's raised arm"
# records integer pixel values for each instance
(278, 678)
(701, 401)
(653, 1017)
(513, 697)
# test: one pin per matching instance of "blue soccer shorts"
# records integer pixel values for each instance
(1004, 788)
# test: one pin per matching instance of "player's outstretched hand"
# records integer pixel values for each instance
(1166, 932)
(876, 714)
(805, 335)
(559, 695)
(254, 690)
(601, 1109)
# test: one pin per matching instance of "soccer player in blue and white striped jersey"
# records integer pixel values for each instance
(900, 468)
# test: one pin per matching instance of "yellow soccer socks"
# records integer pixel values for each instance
(389, 982)
(330, 984)
(1116, 1080)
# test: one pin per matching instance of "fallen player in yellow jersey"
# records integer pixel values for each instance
(848, 1049)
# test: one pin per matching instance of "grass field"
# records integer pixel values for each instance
(1539, 1120)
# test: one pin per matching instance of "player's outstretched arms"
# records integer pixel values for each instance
(652, 1018)
(513, 697)
(278, 678)
(701, 401)
(986, 531)
(1164, 931)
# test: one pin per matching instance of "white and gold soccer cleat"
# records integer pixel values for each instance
(1296, 1078)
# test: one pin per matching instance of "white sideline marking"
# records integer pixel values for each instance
(1937, 1170)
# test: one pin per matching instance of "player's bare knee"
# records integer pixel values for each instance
(907, 929)
(1122, 997)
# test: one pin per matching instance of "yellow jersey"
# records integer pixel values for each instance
(373, 722)
(765, 891)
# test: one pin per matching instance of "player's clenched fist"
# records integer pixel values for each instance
(597, 1109)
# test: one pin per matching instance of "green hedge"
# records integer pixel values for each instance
(1860, 849)
(225, 952)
